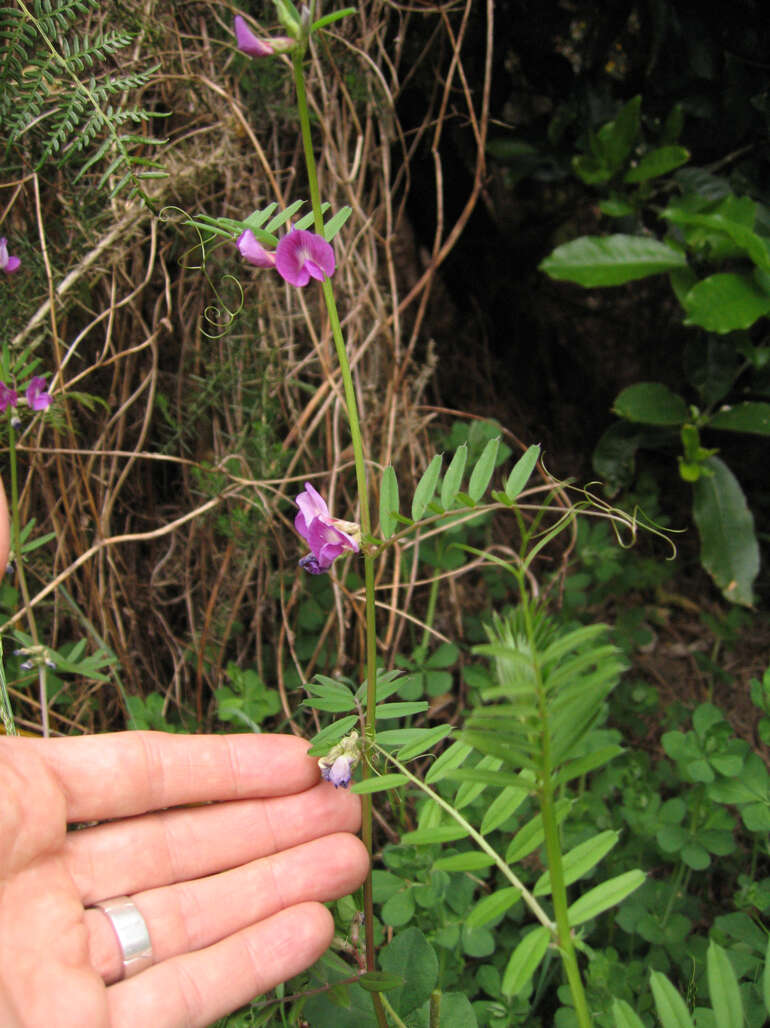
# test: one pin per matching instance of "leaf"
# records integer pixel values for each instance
(725, 302)
(524, 960)
(604, 896)
(672, 1009)
(744, 417)
(615, 139)
(624, 1015)
(379, 783)
(482, 472)
(389, 710)
(490, 907)
(388, 502)
(502, 807)
(723, 988)
(453, 477)
(331, 734)
(449, 760)
(473, 860)
(426, 740)
(335, 223)
(426, 487)
(434, 836)
(611, 260)
(522, 469)
(652, 403)
(579, 861)
(411, 957)
(380, 981)
(657, 162)
(729, 548)
(766, 979)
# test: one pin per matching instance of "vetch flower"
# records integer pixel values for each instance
(255, 47)
(37, 396)
(8, 397)
(253, 251)
(337, 766)
(327, 537)
(302, 255)
(8, 263)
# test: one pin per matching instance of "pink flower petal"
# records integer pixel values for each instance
(302, 255)
(248, 42)
(253, 251)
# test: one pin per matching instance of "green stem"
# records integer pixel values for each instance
(551, 828)
(16, 544)
(351, 404)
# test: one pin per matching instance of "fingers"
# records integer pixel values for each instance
(193, 915)
(117, 775)
(125, 857)
(196, 989)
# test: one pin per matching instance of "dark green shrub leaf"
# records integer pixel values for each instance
(729, 548)
(652, 403)
(725, 302)
(744, 417)
(611, 260)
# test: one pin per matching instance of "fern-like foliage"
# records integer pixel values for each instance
(58, 102)
(550, 694)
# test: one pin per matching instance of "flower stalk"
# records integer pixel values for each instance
(351, 404)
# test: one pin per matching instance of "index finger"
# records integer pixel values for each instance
(126, 773)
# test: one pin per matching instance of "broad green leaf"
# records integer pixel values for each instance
(454, 477)
(611, 260)
(579, 861)
(524, 960)
(426, 487)
(449, 760)
(388, 502)
(434, 836)
(532, 835)
(604, 896)
(522, 469)
(331, 734)
(729, 548)
(615, 139)
(473, 860)
(379, 783)
(657, 162)
(652, 403)
(379, 981)
(492, 906)
(624, 1015)
(502, 807)
(766, 979)
(725, 302)
(411, 957)
(482, 472)
(583, 765)
(723, 988)
(388, 710)
(744, 417)
(672, 1009)
(423, 742)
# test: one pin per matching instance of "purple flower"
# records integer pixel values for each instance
(37, 396)
(337, 766)
(8, 397)
(8, 263)
(326, 536)
(253, 251)
(302, 255)
(339, 773)
(254, 47)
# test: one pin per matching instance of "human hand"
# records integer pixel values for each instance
(231, 891)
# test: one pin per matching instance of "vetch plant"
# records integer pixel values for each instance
(327, 537)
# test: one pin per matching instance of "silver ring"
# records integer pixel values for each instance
(131, 932)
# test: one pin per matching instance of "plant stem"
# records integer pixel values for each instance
(351, 404)
(16, 544)
(551, 828)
